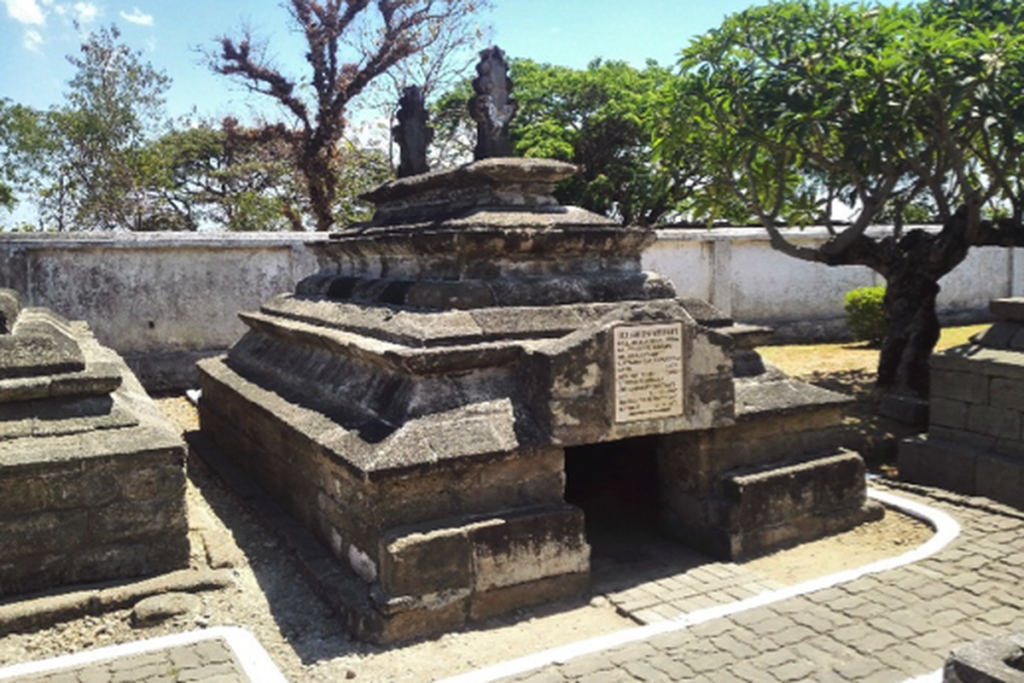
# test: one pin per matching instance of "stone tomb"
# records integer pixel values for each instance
(92, 479)
(975, 442)
(411, 402)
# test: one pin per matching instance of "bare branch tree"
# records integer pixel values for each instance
(379, 35)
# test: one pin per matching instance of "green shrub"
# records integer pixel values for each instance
(865, 315)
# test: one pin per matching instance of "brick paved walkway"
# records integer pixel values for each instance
(209, 657)
(881, 628)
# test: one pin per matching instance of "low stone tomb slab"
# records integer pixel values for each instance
(92, 480)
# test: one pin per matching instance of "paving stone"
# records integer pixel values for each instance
(610, 676)
(726, 676)
(583, 667)
(551, 675)
(859, 669)
(793, 671)
(893, 628)
(634, 652)
(673, 667)
(643, 671)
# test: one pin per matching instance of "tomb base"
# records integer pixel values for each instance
(775, 479)
(422, 548)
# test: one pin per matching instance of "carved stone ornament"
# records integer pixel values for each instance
(492, 107)
(412, 133)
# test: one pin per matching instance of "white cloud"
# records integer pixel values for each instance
(33, 40)
(85, 12)
(137, 17)
(26, 12)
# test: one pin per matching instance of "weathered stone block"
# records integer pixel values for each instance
(415, 563)
(993, 422)
(929, 460)
(962, 437)
(528, 546)
(995, 660)
(498, 601)
(1011, 448)
(42, 532)
(1000, 479)
(909, 410)
(967, 387)
(1010, 309)
(138, 520)
(1007, 393)
(949, 413)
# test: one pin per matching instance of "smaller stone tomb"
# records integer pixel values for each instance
(92, 481)
(974, 443)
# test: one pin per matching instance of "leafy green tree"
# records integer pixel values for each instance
(18, 134)
(228, 176)
(114, 104)
(796, 107)
(377, 35)
(84, 162)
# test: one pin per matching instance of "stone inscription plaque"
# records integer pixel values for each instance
(648, 361)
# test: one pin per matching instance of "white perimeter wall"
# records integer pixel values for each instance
(737, 270)
(163, 300)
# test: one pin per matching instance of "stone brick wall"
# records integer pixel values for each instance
(975, 439)
(77, 521)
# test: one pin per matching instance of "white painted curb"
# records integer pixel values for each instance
(946, 529)
(255, 661)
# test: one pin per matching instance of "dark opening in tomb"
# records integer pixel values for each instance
(616, 484)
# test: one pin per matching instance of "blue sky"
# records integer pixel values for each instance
(36, 36)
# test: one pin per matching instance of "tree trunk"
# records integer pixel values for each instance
(321, 183)
(913, 330)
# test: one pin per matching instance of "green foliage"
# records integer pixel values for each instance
(600, 118)
(796, 105)
(229, 177)
(865, 314)
(84, 162)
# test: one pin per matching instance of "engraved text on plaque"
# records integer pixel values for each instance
(648, 363)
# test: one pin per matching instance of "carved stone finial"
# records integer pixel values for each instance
(492, 107)
(412, 133)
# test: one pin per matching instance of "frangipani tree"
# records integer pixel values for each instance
(794, 108)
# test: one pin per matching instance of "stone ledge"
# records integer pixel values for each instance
(1009, 309)
(996, 660)
(31, 613)
(495, 171)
